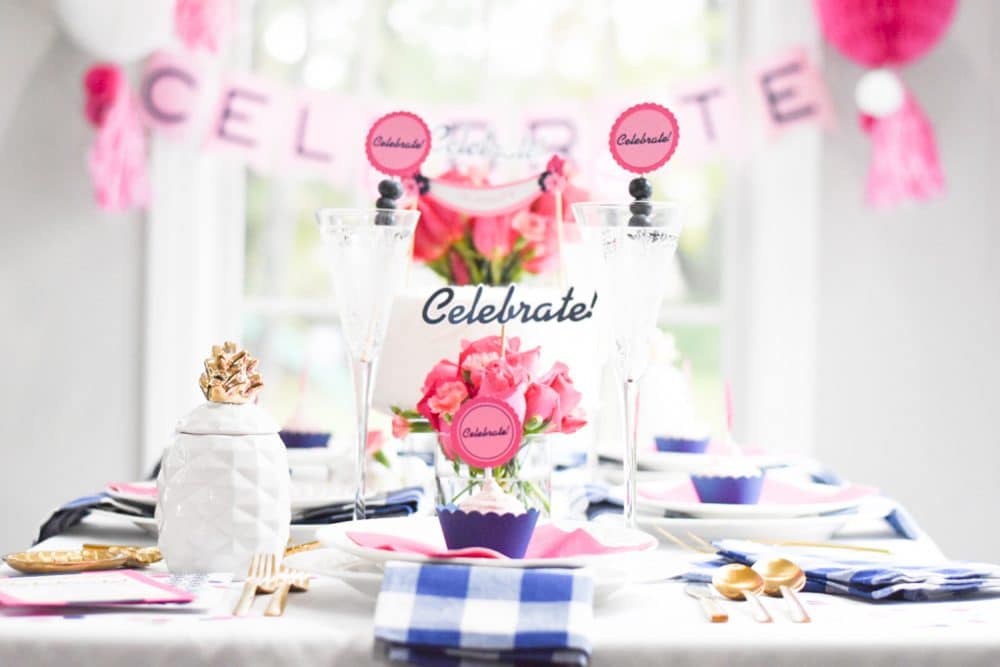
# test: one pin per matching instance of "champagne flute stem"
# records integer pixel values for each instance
(631, 415)
(363, 370)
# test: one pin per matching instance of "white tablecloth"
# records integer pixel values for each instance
(641, 625)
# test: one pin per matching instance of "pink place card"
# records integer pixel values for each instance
(643, 137)
(486, 432)
(114, 587)
(398, 143)
(147, 490)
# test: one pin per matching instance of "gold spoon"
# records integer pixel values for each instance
(739, 582)
(782, 578)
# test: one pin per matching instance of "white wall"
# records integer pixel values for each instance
(909, 306)
(70, 288)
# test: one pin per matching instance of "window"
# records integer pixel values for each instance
(494, 62)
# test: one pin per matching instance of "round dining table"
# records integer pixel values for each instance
(642, 624)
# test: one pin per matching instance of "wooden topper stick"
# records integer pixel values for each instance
(503, 341)
(561, 269)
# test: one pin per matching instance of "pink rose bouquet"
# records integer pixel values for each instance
(492, 250)
(544, 403)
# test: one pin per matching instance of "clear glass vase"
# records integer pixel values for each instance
(527, 477)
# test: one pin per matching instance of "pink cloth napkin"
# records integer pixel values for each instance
(147, 490)
(774, 492)
(548, 541)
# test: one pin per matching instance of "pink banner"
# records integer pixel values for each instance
(300, 132)
(169, 93)
(316, 136)
(790, 91)
(247, 119)
(708, 112)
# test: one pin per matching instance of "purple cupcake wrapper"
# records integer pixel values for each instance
(507, 533)
(728, 490)
(682, 445)
(304, 439)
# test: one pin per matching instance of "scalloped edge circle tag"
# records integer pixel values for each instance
(485, 432)
(644, 137)
(398, 143)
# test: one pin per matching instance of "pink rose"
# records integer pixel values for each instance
(437, 229)
(558, 378)
(400, 427)
(573, 422)
(555, 399)
(444, 440)
(493, 237)
(531, 226)
(448, 397)
(475, 364)
(374, 442)
(475, 355)
(506, 383)
(526, 361)
(443, 371)
(541, 401)
(423, 407)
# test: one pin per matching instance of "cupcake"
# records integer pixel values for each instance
(733, 483)
(684, 444)
(489, 518)
(301, 433)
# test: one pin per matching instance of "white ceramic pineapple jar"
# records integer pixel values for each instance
(224, 482)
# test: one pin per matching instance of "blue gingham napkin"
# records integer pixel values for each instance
(401, 502)
(876, 577)
(442, 614)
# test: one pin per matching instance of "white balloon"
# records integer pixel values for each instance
(117, 30)
(879, 93)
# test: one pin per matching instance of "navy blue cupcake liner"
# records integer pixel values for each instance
(728, 490)
(507, 533)
(304, 439)
(682, 445)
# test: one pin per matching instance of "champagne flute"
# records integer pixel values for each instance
(368, 251)
(633, 263)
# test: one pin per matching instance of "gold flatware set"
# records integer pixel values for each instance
(775, 577)
(266, 576)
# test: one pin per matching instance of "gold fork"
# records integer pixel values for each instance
(262, 569)
(290, 580)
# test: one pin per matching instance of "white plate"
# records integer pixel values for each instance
(365, 576)
(804, 529)
(304, 494)
(428, 530)
(652, 459)
(692, 508)
(299, 532)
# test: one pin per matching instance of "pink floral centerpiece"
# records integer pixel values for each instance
(492, 250)
(544, 403)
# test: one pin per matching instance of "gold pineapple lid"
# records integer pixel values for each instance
(230, 375)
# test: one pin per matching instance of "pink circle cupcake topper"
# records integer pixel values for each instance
(643, 137)
(485, 432)
(398, 143)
